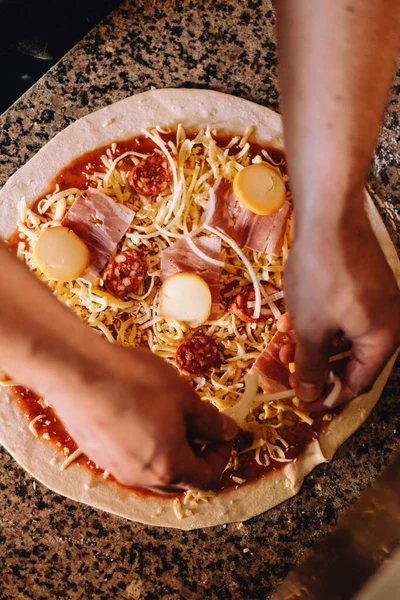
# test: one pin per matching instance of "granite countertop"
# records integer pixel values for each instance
(51, 547)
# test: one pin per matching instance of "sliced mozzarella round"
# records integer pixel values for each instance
(260, 188)
(60, 254)
(185, 297)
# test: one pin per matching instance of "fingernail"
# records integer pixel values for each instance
(229, 428)
(307, 392)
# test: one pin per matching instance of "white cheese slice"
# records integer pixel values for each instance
(185, 297)
(60, 254)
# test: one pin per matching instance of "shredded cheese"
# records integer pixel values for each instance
(7, 383)
(68, 461)
(270, 397)
(33, 422)
(177, 506)
(238, 480)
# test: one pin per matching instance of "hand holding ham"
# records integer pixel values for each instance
(338, 280)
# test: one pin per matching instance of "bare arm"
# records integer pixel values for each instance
(128, 409)
(336, 64)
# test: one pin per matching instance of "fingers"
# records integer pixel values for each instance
(182, 469)
(210, 465)
(177, 466)
(204, 422)
(368, 357)
(287, 353)
(284, 323)
(311, 360)
(207, 424)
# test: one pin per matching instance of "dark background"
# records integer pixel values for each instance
(35, 34)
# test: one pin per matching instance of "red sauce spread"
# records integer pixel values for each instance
(76, 174)
(298, 437)
(14, 240)
(50, 425)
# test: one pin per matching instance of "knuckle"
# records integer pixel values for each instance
(359, 388)
(169, 472)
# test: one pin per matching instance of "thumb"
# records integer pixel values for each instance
(311, 360)
(207, 424)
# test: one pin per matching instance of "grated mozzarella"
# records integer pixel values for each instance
(32, 424)
(68, 461)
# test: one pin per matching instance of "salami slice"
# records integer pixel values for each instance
(196, 355)
(124, 273)
(241, 306)
(152, 175)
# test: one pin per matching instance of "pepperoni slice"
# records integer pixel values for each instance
(239, 305)
(196, 355)
(124, 273)
(152, 175)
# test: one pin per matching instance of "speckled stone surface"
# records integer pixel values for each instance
(54, 548)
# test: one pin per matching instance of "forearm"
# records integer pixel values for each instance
(336, 64)
(42, 343)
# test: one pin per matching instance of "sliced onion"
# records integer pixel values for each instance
(331, 398)
(253, 276)
(275, 310)
(196, 250)
(241, 409)
(267, 299)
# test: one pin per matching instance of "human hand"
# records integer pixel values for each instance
(337, 280)
(136, 417)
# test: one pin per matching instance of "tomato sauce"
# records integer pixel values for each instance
(77, 174)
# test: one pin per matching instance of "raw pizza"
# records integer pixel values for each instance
(165, 221)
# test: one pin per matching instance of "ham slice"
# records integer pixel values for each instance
(272, 373)
(273, 376)
(224, 212)
(262, 233)
(277, 231)
(180, 257)
(101, 223)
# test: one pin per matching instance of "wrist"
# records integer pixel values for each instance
(48, 361)
(328, 214)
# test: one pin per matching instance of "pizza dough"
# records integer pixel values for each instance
(193, 109)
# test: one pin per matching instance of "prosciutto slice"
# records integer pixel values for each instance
(272, 373)
(225, 210)
(101, 223)
(273, 376)
(277, 231)
(180, 257)
(262, 233)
